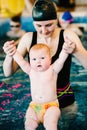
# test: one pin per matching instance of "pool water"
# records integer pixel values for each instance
(27, 24)
(15, 95)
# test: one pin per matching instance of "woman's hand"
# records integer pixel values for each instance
(9, 48)
(69, 46)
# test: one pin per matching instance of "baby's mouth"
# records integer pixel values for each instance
(38, 66)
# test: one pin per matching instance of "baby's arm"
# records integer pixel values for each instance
(25, 66)
(68, 48)
(58, 64)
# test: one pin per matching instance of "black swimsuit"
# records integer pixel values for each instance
(64, 90)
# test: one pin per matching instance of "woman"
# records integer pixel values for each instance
(47, 32)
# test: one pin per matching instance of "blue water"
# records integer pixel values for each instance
(27, 24)
(80, 19)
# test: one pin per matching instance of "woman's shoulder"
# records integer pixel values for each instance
(72, 36)
(27, 37)
(69, 33)
(57, 31)
(27, 34)
(26, 40)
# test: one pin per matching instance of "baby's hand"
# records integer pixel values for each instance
(9, 48)
(69, 46)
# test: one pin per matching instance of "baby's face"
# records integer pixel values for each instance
(40, 60)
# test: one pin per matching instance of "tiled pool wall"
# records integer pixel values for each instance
(27, 24)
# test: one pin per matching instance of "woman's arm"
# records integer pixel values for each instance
(9, 65)
(80, 52)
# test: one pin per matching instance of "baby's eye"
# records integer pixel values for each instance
(42, 57)
(34, 59)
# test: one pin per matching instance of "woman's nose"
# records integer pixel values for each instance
(44, 30)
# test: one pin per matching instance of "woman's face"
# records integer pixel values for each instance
(45, 28)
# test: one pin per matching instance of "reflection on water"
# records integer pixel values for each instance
(15, 95)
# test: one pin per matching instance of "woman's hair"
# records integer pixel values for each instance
(44, 10)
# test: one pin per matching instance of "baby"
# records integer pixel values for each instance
(44, 106)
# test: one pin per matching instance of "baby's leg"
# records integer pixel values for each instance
(51, 118)
(31, 121)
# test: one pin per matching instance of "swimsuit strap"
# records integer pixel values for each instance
(34, 41)
(61, 41)
(59, 48)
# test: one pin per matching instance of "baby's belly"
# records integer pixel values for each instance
(43, 98)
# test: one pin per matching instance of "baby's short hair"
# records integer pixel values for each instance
(40, 46)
